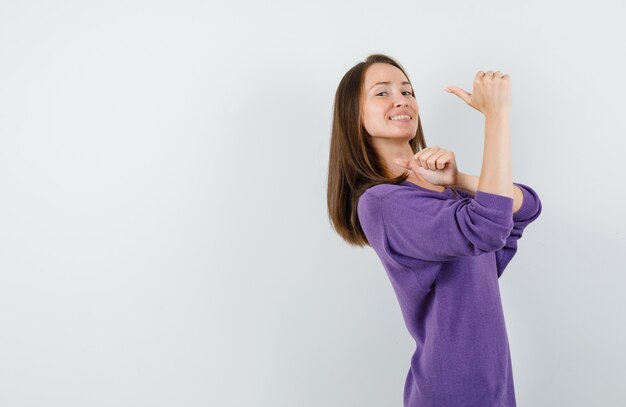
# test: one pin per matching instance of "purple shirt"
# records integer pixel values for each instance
(444, 254)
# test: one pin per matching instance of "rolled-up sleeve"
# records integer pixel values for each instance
(526, 214)
(428, 228)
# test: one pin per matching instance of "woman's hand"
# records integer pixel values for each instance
(491, 94)
(436, 165)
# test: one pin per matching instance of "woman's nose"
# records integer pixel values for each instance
(401, 100)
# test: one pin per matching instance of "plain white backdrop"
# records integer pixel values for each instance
(164, 238)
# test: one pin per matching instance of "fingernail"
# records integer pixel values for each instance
(447, 90)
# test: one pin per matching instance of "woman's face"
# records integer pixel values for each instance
(381, 102)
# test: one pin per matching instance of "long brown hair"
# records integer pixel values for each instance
(353, 163)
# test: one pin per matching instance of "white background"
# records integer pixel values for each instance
(164, 238)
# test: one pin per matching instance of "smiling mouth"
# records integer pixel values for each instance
(401, 117)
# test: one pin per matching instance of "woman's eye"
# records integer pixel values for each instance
(406, 91)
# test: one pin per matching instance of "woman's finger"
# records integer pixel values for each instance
(442, 161)
(466, 96)
(423, 155)
(429, 161)
(416, 156)
(434, 161)
(428, 158)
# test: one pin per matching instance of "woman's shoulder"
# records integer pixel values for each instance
(371, 200)
(382, 190)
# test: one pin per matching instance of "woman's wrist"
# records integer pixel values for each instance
(503, 115)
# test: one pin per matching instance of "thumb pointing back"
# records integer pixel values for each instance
(459, 92)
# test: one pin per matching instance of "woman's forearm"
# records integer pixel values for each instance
(496, 174)
(469, 184)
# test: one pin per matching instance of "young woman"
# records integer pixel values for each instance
(444, 237)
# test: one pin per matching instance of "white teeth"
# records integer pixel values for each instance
(399, 117)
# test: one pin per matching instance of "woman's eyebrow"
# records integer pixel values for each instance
(387, 83)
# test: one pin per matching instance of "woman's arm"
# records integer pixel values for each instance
(491, 96)
(469, 183)
(496, 173)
